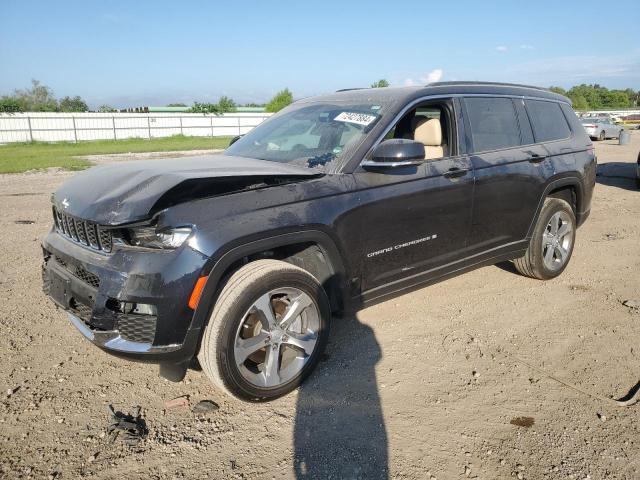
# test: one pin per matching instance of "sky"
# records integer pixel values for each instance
(125, 53)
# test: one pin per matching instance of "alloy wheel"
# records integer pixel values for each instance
(277, 337)
(557, 241)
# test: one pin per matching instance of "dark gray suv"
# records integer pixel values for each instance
(240, 259)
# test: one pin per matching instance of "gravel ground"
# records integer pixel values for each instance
(433, 384)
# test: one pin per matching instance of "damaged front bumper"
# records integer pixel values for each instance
(132, 303)
(112, 340)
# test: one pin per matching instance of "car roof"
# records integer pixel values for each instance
(406, 94)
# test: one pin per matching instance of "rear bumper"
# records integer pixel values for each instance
(102, 295)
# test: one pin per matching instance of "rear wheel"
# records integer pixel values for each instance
(267, 331)
(601, 137)
(551, 244)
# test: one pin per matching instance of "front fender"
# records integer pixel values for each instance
(218, 265)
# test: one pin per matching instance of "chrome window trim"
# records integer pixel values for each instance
(413, 103)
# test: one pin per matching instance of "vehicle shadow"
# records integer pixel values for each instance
(617, 174)
(339, 429)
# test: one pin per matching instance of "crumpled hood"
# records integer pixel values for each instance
(127, 192)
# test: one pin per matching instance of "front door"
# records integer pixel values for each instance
(415, 219)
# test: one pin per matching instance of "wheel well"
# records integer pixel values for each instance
(567, 193)
(310, 257)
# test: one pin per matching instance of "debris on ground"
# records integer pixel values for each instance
(24, 222)
(634, 304)
(182, 401)
(525, 422)
(205, 406)
(631, 398)
(131, 428)
(11, 391)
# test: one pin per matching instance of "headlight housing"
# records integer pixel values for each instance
(150, 237)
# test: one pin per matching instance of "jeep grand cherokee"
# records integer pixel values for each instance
(240, 259)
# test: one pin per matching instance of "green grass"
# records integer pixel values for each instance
(20, 157)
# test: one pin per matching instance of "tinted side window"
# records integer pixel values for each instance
(547, 120)
(493, 123)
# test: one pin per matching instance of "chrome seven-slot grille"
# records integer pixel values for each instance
(81, 231)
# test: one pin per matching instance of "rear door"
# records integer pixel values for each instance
(509, 168)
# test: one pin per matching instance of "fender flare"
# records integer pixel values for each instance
(569, 180)
(218, 265)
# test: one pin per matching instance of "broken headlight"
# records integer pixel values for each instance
(149, 237)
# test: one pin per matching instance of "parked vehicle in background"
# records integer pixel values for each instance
(333, 203)
(601, 128)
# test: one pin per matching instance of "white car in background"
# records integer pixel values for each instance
(601, 128)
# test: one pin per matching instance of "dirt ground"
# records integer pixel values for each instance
(434, 384)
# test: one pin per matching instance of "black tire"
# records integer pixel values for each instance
(602, 137)
(240, 292)
(532, 263)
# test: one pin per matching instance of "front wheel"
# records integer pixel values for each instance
(267, 331)
(551, 244)
(601, 137)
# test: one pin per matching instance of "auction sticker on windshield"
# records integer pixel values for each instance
(357, 118)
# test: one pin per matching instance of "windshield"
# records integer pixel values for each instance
(315, 135)
(589, 120)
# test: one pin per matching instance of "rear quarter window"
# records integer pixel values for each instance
(547, 120)
(493, 123)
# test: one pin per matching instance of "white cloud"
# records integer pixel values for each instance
(524, 46)
(433, 76)
(501, 48)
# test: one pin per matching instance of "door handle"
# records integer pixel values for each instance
(535, 158)
(455, 172)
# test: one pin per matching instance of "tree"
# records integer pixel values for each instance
(11, 105)
(558, 90)
(75, 104)
(594, 97)
(205, 108)
(38, 98)
(579, 103)
(380, 83)
(106, 109)
(279, 101)
(225, 104)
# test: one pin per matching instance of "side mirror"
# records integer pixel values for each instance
(235, 139)
(396, 152)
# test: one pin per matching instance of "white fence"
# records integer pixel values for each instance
(74, 127)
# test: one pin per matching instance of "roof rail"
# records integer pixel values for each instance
(349, 89)
(497, 84)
